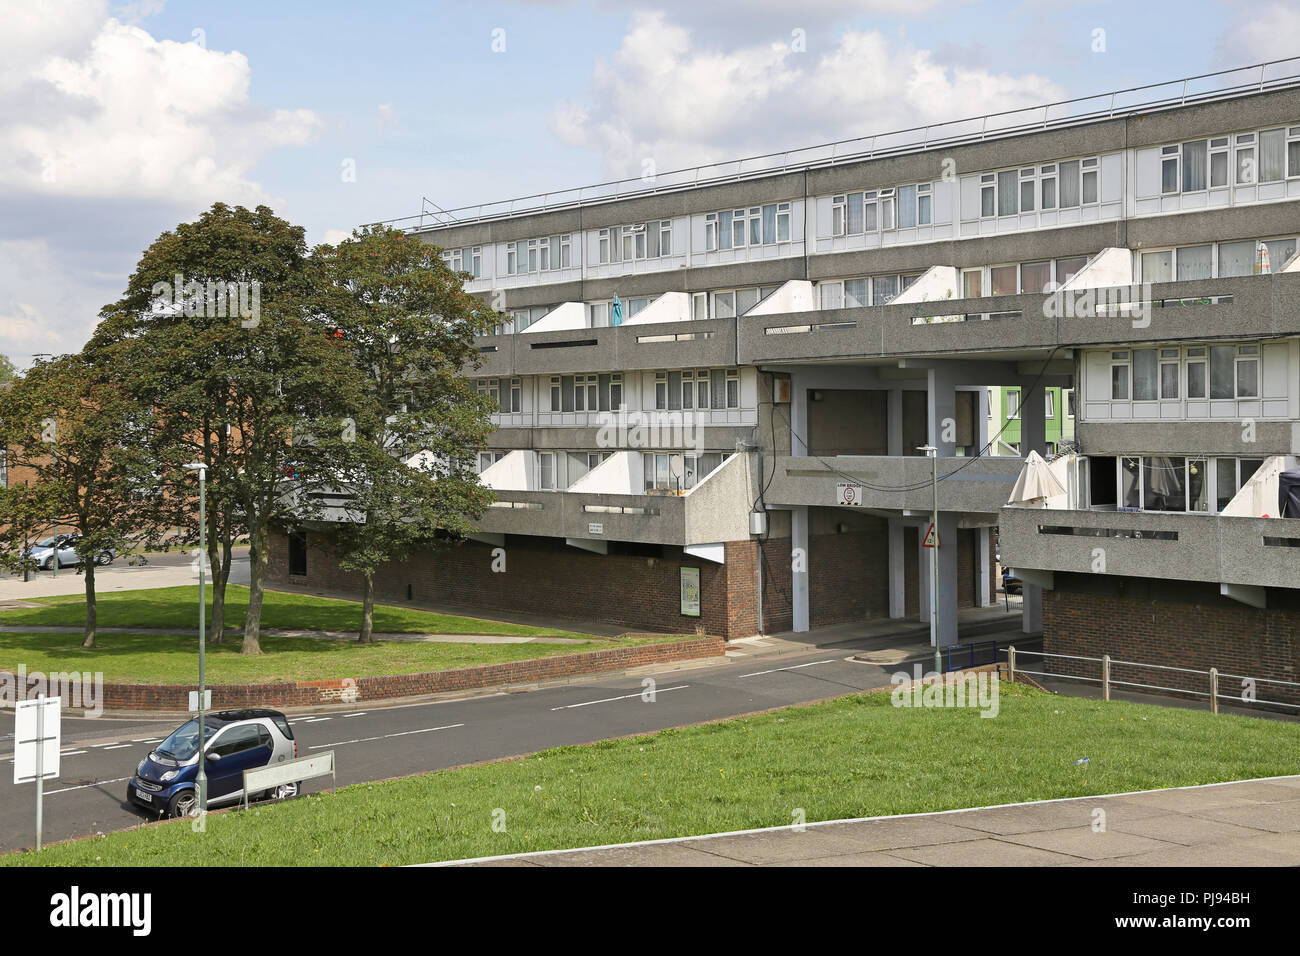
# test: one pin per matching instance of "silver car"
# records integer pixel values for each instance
(43, 552)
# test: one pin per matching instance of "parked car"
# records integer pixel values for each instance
(234, 741)
(1010, 583)
(42, 552)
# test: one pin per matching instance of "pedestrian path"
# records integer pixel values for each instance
(1246, 823)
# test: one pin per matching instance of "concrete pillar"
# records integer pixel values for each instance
(798, 415)
(942, 408)
(981, 423)
(799, 567)
(1031, 619)
(922, 575)
(894, 424)
(947, 619)
(984, 564)
(1033, 419)
(897, 572)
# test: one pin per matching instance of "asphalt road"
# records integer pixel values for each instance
(100, 754)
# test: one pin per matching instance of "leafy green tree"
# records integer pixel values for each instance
(406, 461)
(78, 432)
(8, 372)
(214, 333)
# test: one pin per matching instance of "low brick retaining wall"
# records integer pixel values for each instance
(175, 697)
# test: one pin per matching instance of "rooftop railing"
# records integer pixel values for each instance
(1224, 84)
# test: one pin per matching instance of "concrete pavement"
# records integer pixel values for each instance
(163, 570)
(1247, 823)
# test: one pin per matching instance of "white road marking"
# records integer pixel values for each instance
(98, 783)
(70, 753)
(145, 740)
(404, 733)
(117, 747)
(606, 700)
(792, 668)
(111, 743)
(362, 714)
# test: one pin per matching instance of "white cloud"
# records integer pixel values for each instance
(1262, 31)
(334, 236)
(664, 98)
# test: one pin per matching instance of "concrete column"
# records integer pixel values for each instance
(942, 409)
(799, 567)
(922, 576)
(894, 424)
(982, 423)
(985, 565)
(798, 415)
(947, 619)
(1033, 421)
(897, 571)
(1031, 619)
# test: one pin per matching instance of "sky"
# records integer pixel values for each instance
(120, 120)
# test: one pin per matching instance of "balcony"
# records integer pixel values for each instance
(966, 485)
(1240, 307)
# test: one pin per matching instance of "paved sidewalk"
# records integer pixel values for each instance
(1248, 823)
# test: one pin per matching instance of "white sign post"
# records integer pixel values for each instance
(848, 494)
(36, 747)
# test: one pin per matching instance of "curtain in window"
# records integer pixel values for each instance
(769, 223)
(1236, 259)
(855, 293)
(1144, 375)
(855, 214)
(1222, 384)
(1272, 155)
(1069, 179)
(1279, 251)
(832, 295)
(1194, 262)
(1194, 166)
(1007, 193)
(906, 206)
(718, 388)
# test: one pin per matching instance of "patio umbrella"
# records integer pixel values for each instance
(1036, 483)
(1262, 264)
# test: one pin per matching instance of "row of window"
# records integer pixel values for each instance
(757, 226)
(538, 255)
(1248, 257)
(697, 388)
(664, 472)
(1264, 156)
(727, 303)
(1192, 372)
(1023, 278)
(586, 393)
(855, 293)
(1049, 403)
(469, 259)
(881, 210)
(1168, 482)
(1063, 185)
(644, 240)
(508, 392)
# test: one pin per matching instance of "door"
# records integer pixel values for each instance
(244, 747)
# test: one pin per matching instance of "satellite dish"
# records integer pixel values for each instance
(675, 465)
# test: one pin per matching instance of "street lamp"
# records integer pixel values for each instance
(932, 453)
(201, 782)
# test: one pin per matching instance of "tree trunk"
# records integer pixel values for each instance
(368, 610)
(258, 539)
(217, 625)
(92, 611)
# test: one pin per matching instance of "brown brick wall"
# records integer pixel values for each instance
(1175, 625)
(175, 697)
(548, 577)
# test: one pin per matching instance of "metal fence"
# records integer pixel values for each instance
(1208, 679)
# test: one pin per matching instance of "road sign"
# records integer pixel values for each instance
(36, 721)
(931, 538)
(36, 747)
(288, 771)
(194, 701)
(849, 494)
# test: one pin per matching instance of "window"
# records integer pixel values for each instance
(1005, 280)
(236, 740)
(884, 288)
(1219, 162)
(486, 459)
(1246, 173)
(1293, 152)
(1066, 269)
(1069, 180)
(538, 255)
(1248, 371)
(1158, 266)
(1272, 155)
(1027, 191)
(1035, 277)
(1047, 186)
(758, 225)
(1013, 403)
(491, 387)
(1049, 403)
(988, 195)
(972, 284)
(1169, 169)
(611, 391)
(1236, 259)
(464, 260)
(1194, 262)
(1169, 369)
(1196, 372)
(1234, 371)
(1069, 402)
(1007, 193)
(546, 470)
(1194, 166)
(1089, 181)
(1119, 376)
(1144, 375)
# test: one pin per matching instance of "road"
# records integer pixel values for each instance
(100, 754)
(163, 569)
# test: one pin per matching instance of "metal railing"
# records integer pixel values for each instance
(972, 651)
(1211, 679)
(1240, 81)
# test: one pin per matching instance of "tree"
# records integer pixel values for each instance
(214, 330)
(406, 463)
(8, 372)
(79, 433)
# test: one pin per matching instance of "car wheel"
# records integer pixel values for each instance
(286, 791)
(183, 804)
(104, 559)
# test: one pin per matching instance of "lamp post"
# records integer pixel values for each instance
(932, 453)
(201, 781)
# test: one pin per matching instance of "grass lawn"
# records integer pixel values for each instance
(178, 608)
(855, 756)
(173, 659)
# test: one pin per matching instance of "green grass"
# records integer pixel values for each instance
(178, 608)
(173, 659)
(855, 756)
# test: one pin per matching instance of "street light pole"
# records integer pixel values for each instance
(201, 781)
(933, 454)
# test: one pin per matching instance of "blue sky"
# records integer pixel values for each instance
(119, 120)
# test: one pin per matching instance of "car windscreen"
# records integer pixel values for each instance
(184, 740)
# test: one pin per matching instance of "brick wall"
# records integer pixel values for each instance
(175, 697)
(848, 574)
(547, 577)
(1176, 624)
